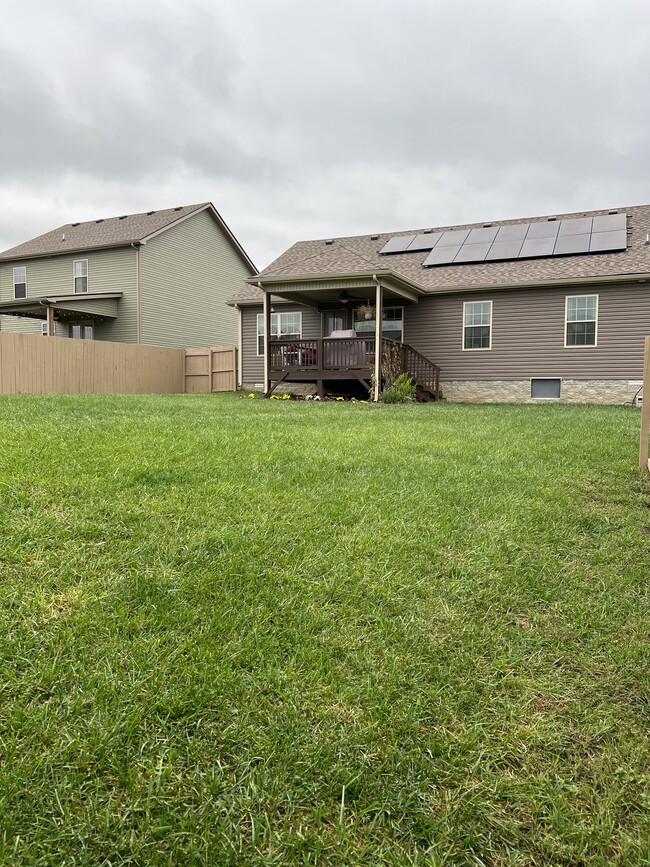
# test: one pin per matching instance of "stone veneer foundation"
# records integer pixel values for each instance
(603, 391)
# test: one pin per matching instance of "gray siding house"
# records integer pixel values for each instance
(544, 308)
(160, 277)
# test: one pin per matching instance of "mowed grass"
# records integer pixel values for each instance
(245, 632)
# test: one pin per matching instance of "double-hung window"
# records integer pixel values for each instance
(80, 275)
(581, 320)
(477, 325)
(20, 282)
(284, 326)
(81, 330)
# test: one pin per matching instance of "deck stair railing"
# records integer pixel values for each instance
(424, 372)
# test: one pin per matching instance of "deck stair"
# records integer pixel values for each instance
(424, 373)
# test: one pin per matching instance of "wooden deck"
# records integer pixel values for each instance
(334, 359)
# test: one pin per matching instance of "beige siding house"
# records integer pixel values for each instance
(159, 278)
(544, 308)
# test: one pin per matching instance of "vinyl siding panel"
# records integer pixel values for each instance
(108, 271)
(188, 272)
(528, 334)
(253, 365)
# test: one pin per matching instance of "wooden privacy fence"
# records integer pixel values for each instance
(30, 364)
(645, 409)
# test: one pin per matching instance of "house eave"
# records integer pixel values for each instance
(25, 257)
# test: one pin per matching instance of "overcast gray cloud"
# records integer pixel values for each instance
(306, 119)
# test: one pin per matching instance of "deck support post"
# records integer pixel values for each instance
(379, 316)
(267, 344)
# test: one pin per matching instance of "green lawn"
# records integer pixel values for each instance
(259, 633)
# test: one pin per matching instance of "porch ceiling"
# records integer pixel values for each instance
(100, 306)
(344, 289)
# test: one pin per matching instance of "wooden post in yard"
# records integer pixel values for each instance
(267, 343)
(379, 312)
(50, 320)
(644, 463)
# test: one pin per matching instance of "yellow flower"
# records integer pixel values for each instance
(251, 394)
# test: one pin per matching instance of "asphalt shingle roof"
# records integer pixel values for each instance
(109, 232)
(360, 255)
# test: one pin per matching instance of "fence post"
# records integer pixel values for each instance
(645, 409)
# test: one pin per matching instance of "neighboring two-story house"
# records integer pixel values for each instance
(518, 310)
(160, 277)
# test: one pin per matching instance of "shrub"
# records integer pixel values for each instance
(399, 391)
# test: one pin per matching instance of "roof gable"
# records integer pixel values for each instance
(115, 232)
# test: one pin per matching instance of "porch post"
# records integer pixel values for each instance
(267, 343)
(379, 315)
(50, 320)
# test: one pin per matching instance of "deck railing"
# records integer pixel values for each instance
(325, 353)
(353, 353)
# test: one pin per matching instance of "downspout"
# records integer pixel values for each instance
(138, 304)
(49, 317)
(240, 347)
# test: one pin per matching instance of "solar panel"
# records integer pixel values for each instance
(602, 241)
(610, 223)
(398, 244)
(441, 255)
(568, 244)
(549, 229)
(581, 226)
(504, 250)
(533, 247)
(424, 242)
(542, 239)
(512, 233)
(482, 236)
(473, 252)
(453, 239)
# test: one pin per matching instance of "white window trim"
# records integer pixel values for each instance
(275, 313)
(19, 268)
(74, 276)
(45, 329)
(462, 339)
(566, 321)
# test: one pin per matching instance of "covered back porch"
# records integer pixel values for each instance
(356, 314)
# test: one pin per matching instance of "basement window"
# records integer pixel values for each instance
(545, 389)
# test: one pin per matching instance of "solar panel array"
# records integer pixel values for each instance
(520, 241)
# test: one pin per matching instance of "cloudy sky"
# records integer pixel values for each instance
(306, 119)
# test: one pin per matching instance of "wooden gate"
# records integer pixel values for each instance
(211, 370)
